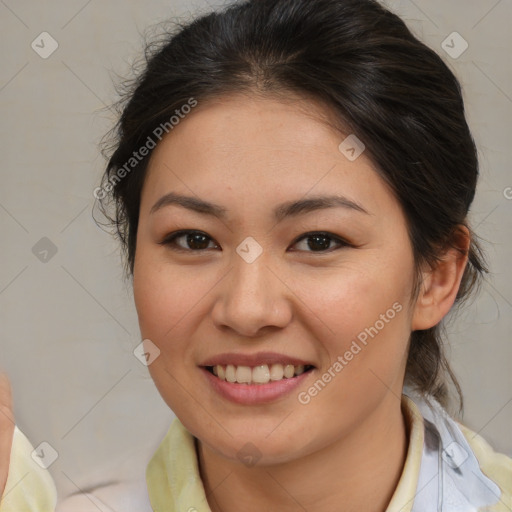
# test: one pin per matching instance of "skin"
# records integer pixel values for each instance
(348, 445)
(7, 423)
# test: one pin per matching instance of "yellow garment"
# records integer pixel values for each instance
(29, 487)
(174, 483)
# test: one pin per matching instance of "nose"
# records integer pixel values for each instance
(252, 299)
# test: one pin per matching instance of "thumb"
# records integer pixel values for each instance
(6, 428)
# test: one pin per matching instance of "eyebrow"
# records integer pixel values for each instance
(282, 211)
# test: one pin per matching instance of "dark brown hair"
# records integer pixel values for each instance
(376, 78)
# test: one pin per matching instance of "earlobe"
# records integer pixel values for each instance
(441, 284)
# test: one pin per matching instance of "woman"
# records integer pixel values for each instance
(291, 183)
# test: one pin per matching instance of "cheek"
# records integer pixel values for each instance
(172, 303)
(163, 296)
(366, 343)
(353, 299)
(166, 302)
(365, 314)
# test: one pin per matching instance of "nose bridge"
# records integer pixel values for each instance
(252, 297)
(250, 283)
(250, 278)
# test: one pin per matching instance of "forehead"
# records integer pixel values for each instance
(252, 123)
(262, 148)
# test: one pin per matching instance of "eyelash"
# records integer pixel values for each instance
(170, 240)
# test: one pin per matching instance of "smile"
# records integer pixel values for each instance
(261, 374)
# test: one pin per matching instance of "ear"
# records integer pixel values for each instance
(441, 284)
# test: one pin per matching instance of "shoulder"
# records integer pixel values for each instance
(29, 485)
(496, 466)
(128, 496)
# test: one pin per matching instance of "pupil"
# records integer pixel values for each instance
(195, 242)
(317, 242)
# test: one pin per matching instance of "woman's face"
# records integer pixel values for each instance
(275, 277)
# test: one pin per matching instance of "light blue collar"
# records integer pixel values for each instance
(450, 478)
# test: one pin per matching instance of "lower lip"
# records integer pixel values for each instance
(251, 394)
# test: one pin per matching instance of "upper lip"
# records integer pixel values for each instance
(257, 359)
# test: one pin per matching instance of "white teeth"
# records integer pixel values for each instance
(257, 375)
(289, 371)
(276, 372)
(230, 373)
(260, 374)
(243, 374)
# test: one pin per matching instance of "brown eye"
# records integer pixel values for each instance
(320, 242)
(190, 241)
(197, 241)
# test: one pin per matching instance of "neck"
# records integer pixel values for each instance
(358, 472)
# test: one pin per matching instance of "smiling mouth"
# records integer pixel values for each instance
(261, 374)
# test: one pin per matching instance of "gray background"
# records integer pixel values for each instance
(68, 325)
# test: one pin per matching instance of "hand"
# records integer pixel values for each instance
(6, 429)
